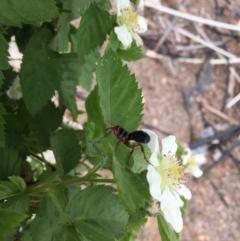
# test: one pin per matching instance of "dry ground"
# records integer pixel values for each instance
(213, 214)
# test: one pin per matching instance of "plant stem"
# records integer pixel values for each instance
(83, 179)
(58, 206)
(43, 188)
(64, 10)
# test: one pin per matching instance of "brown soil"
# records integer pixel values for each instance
(213, 213)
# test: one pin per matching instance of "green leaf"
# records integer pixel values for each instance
(80, 6)
(68, 97)
(120, 98)
(70, 73)
(98, 214)
(46, 120)
(95, 25)
(185, 205)
(180, 150)
(24, 11)
(47, 218)
(8, 189)
(103, 4)
(42, 225)
(132, 54)
(15, 186)
(10, 163)
(18, 203)
(10, 221)
(27, 236)
(40, 72)
(3, 53)
(18, 182)
(2, 122)
(132, 191)
(61, 40)
(114, 43)
(66, 149)
(93, 109)
(166, 232)
(3, 65)
(87, 69)
(135, 222)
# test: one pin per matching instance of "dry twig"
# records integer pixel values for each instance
(206, 106)
(192, 17)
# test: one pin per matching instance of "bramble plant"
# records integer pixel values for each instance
(69, 199)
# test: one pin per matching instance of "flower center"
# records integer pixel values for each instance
(129, 18)
(191, 162)
(172, 172)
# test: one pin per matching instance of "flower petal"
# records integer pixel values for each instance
(186, 155)
(184, 191)
(153, 144)
(124, 36)
(138, 40)
(200, 159)
(169, 145)
(171, 210)
(154, 159)
(197, 172)
(122, 4)
(142, 23)
(178, 199)
(154, 180)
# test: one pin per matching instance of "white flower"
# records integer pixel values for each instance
(192, 162)
(130, 24)
(14, 91)
(166, 177)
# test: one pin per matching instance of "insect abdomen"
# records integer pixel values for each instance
(139, 136)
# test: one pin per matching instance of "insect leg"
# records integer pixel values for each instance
(142, 150)
(119, 140)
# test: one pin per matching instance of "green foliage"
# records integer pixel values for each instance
(129, 182)
(80, 6)
(14, 13)
(95, 25)
(98, 214)
(132, 54)
(180, 150)
(19, 203)
(10, 221)
(120, 98)
(3, 53)
(10, 163)
(40, 72)
(2, 122)
(3, 65)
(16, 185)
(94, 110)
(87, 69)
(166, 232)
(48, 196)
(66, 149)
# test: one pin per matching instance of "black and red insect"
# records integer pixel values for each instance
(129, 139)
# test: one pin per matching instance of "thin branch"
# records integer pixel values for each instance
(199, 46)
(192, 17)
(208, 44)
(168, 29)
(154, 55)
(233, 101)
(231, 131)
(222, 158)
(218, 113)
